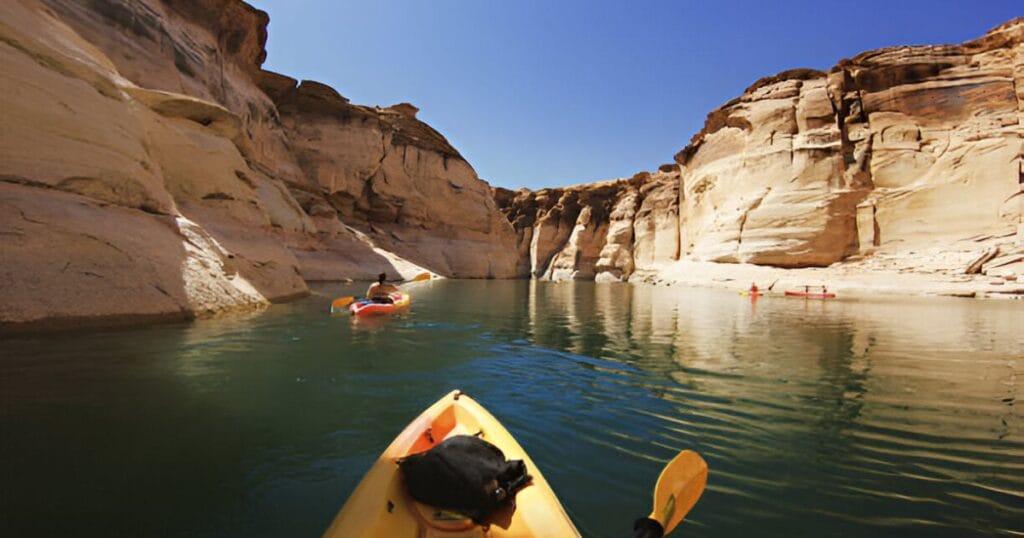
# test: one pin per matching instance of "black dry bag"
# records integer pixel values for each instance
(466, 475)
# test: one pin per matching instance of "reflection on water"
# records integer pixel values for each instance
(817, 417)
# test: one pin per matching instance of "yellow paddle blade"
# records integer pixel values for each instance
(679, 487)
(420, 277)
(340, 303)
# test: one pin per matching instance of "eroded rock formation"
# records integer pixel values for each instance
(904, 145)
(385, 172)
(890, 151)
(149, 167)
(603, 231)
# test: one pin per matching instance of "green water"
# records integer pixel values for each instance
(840, 418)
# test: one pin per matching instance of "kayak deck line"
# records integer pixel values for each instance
(381, 506)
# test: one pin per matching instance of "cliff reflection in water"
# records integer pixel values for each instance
(899, 408)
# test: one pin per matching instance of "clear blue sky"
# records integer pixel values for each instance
(543, 93)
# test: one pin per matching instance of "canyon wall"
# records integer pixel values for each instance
(604, 231)
(894, 150)
(386, 173)
(150, 168)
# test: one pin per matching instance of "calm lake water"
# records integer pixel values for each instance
(839, 418)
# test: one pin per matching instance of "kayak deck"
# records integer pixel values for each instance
(365, 307)
(380, 505)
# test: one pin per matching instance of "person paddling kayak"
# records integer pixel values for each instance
(379, 292)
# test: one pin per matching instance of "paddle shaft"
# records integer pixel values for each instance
(646, 527)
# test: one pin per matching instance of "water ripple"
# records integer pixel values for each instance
(832, 419)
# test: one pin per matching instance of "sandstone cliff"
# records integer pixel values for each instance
(149, 167)
(906, 145)
(892, 152)
(395, 178)
(604, 231)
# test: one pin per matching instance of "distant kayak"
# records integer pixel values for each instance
(366, 307)
(381, 506)
(753, 293)
(810, 295)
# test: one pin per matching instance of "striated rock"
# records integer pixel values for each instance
(578, 258)
(976, 265)
(66, 123)
(807, 168)
(150, 167)
(213, 49)
(615, 262)
(759, 183)
(396, 179)
(76, 263)
(656, 223)
(125, 184)
(888, 152)
(1007, 264)
(602, 231)
(207, 49)
(143, 152)
(348, 255)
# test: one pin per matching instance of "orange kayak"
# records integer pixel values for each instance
(366, 307)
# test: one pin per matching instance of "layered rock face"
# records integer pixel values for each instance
(890, 151)
(603, 231)
(147, 170)
(896, 147)
(394, 177)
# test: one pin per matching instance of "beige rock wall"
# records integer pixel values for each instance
(604, 231)
(656, 223)
(146, 171)
(381, 171)
(889, 152)
(166, 268)
(616, 261)
(396, 179)
(894, 148)
(105, 184)
(208, 49)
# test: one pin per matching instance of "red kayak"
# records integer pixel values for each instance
(810, 295)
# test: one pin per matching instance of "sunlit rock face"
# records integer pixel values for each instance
(893, 148)
(889, 151)
(395, 178)
(145, 170)
(604, 231)
(103, 183)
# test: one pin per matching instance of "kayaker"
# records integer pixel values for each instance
(753, 288)
(379, 292)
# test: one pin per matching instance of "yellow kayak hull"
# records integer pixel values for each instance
(380, 505)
